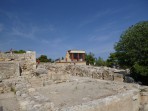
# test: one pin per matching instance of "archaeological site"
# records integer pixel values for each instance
(28, 86)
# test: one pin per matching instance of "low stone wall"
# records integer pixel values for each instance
(104, 73)
(127, 101)
(29, 56)
(9, 70)
(27, 61)
(71, 63)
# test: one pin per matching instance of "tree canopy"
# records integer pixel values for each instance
(19, 51)
(112, 60)
(132, 49)
(90, 59)
(100, 62)
(43, 58)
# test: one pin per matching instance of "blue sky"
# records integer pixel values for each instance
(51, 27)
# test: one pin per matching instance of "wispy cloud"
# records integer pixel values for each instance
(102, 37)
(53, 42)
(20, 33)
(30, 31)
(97, 16)
(24, 29)
(106, 26)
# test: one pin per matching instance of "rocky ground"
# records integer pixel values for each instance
(9, 102)
(53, 87)
(80, 90)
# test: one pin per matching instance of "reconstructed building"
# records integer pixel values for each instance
(74, 57)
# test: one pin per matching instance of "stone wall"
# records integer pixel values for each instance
(27, 61)
(29, 56)
(128, 101)
(104, 73)
(71, 63)
(9, 70)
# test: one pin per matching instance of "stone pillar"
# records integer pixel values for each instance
(83, 56)
(72, 56)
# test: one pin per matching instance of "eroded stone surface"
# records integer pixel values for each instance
(74, 88)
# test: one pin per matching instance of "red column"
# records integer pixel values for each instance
(78, 56)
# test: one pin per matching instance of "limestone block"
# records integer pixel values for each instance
(48, 106)
(60, 76)
(18, 93)
(1, 90)
(48, 82)
(41, 71)
(128, 79)
(145, 107)
(31, 90)
(24, 95)
(23, 105)
(9, 70)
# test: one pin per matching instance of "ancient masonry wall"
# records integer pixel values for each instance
(71, 63)
(26, 62)
(128, 101)
(28, 56)
(9, 70)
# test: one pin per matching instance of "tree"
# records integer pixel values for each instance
(43, 58)
(51, 60)
(132, 50)
(90, 59)
(112, 60)
(100, 62)
(19, 51)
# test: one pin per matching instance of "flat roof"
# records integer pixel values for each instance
(76, 51)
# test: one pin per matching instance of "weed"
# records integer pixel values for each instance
(13, 90)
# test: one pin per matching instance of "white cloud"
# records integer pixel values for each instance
(103, 37)
(19, 32)
(30, 31)
(97, 16)
(19, 28)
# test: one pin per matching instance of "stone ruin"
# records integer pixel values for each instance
(52, 87)
(17, 64)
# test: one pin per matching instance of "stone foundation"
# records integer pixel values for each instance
(71, 88)
(126, 101)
